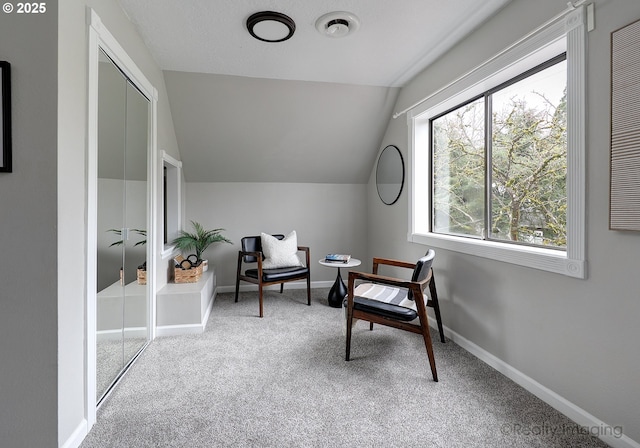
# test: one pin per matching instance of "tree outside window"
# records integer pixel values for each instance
(519, 131)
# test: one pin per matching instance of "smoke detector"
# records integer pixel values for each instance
(338, 24)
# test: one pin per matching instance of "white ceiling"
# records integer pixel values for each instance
(310, 109)
(396, 39)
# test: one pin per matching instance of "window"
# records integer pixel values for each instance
(171, 209)
(497, 156)
(499, 162)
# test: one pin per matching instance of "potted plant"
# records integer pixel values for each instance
(120, 242)
(141, 272)
(199, 241)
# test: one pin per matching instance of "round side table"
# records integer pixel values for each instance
(338, 290)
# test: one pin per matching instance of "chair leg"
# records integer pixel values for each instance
(370, 326)
(309, 290)
(260, 298)
(281, 287)
(436, 305)
(432, 360)
(238, 276)
(349, 324)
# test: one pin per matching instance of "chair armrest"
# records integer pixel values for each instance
(256, 254)
(416, 287)
(305, 249)
(376, 278)
(383, 279)
(391, 262)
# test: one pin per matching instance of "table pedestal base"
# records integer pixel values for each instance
(338, 292)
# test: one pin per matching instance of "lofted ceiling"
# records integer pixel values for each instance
(310, 109)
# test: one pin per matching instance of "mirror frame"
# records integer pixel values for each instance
(99, 37)
(399, 154)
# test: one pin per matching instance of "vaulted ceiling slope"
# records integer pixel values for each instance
(232, 128)
(310, 109)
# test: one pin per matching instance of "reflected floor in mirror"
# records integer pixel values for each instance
(109, 355)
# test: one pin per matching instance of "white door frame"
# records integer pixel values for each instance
(101, 38)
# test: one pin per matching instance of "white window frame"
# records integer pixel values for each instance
(566, 35)
(173, 201)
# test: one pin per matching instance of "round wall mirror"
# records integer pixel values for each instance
(390, 174)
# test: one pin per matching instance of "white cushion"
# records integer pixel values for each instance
(280, 253)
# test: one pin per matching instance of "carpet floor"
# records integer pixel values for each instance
(282, 381)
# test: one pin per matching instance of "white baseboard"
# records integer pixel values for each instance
(131, 332)
(575, 413)
(77, 436)
(174, 330)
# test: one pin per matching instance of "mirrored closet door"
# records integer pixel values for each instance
(122, 292)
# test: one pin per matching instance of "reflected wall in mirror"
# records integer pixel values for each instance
(122, 296)
(390, 174)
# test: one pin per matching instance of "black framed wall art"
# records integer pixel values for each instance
(5, 118)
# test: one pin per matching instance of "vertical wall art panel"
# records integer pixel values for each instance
(625, 128)
(5, 117)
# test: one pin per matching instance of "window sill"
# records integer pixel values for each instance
(168, 251)
(532, 257)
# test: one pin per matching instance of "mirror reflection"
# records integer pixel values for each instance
(122, 296)
(390, 174)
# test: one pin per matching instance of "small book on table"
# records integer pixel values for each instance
(337, 258)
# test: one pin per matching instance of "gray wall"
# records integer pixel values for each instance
(328, 218)
(239, 129)
(578, 338)
(28, 278)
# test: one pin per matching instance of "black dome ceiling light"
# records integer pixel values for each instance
(270, 26)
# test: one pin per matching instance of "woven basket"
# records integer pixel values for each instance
(187, 275)
(142, 277)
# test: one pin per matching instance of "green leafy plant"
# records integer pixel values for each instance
(199, 240)
(120, 241)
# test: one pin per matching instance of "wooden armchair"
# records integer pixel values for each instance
(395, 302)
(252, 253)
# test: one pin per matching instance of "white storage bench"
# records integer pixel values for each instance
(184, 307)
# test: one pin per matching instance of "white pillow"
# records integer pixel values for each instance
(280, 253)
